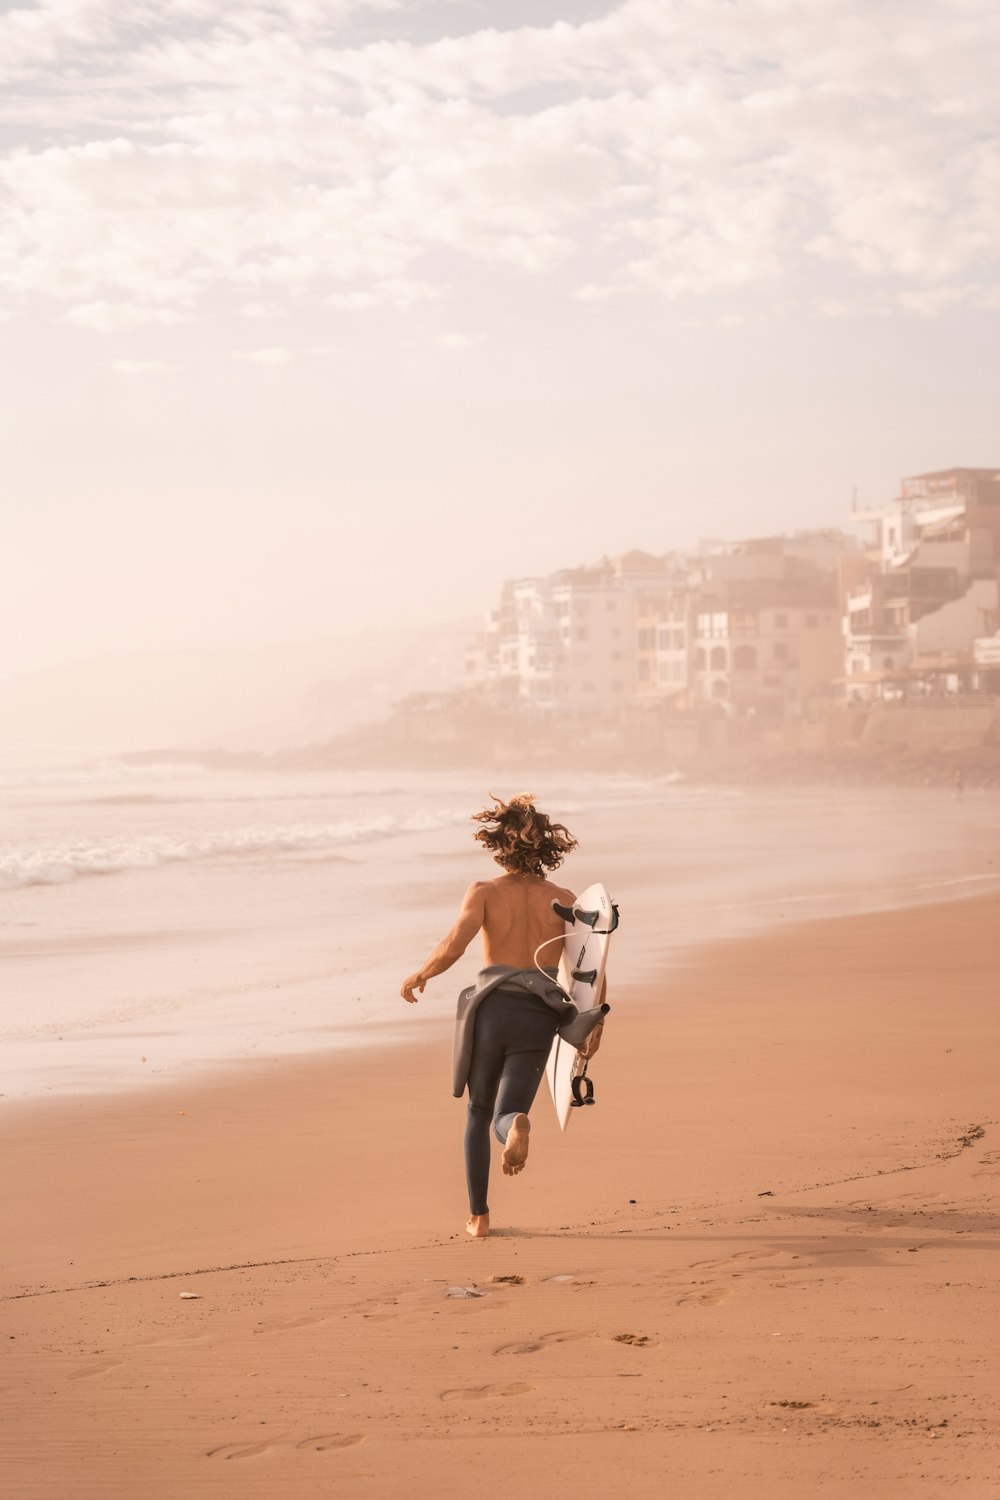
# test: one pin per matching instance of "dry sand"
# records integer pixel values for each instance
(764, 1265)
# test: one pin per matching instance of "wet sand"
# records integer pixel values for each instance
(764, 1264)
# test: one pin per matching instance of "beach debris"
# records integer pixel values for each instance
(639, 1339)
(464, 1291)
(560, 1278)
(190, 1296)
(767, 1193)
(508, 1280)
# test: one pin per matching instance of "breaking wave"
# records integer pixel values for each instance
(54, 864)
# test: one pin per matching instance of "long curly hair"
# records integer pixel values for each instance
(521, 839)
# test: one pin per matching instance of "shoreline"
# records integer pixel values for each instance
(144, 978)
(396, 1047)
(387, 1035)
(780, 1216)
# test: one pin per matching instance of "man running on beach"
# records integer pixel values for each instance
(507, 1021)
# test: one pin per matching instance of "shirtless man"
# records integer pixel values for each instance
(513, 1023)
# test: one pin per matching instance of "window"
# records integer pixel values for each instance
(617, 687)
(581, 632)
(588, 687)
(745, 658)
(644, 671)
(699, 659)
(616, 656)
(718, 659)
(780, 651)
(664, 639)
(811, 622)
(610, 603)
(719, 688)
(781, 622)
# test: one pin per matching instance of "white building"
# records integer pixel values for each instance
(933, 567)
(567, 641)
(595, 625)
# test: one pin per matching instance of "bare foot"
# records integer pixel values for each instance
(478, 1226)
(515, 1152)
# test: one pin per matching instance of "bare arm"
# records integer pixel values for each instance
(451, 947)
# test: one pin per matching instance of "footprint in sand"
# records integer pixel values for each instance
(174, 1341)
(331, 1440)
(743, 1260)
(567, 1336)
(376, 1308)
(310, 1321)
(485, 1392)
(88, 1370)
(705, 1296)
(238, 1450)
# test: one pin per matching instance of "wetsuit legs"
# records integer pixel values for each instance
(511, 1045)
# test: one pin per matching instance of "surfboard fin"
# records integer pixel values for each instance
(585, 976)
(588, 918)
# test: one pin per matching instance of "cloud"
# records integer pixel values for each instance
(458, 340)
(138, 367)
(396, 292)
(112, 317)
(664, 150)
(274, 355)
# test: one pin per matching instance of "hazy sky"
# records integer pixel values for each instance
(322, 311)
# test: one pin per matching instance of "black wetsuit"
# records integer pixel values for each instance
(513, 1035)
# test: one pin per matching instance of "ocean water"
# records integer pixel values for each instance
(158, 920)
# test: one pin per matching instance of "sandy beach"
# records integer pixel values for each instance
(765, 1264)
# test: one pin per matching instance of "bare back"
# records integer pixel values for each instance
(519, 917)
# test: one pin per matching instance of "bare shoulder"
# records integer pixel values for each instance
(561, 893)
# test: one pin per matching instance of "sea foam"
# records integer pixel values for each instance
(51, 863)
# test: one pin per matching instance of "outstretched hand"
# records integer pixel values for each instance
(415, 982)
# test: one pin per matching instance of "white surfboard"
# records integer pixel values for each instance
(581, 973)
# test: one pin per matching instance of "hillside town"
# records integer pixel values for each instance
(867, 653)
(905, 606)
